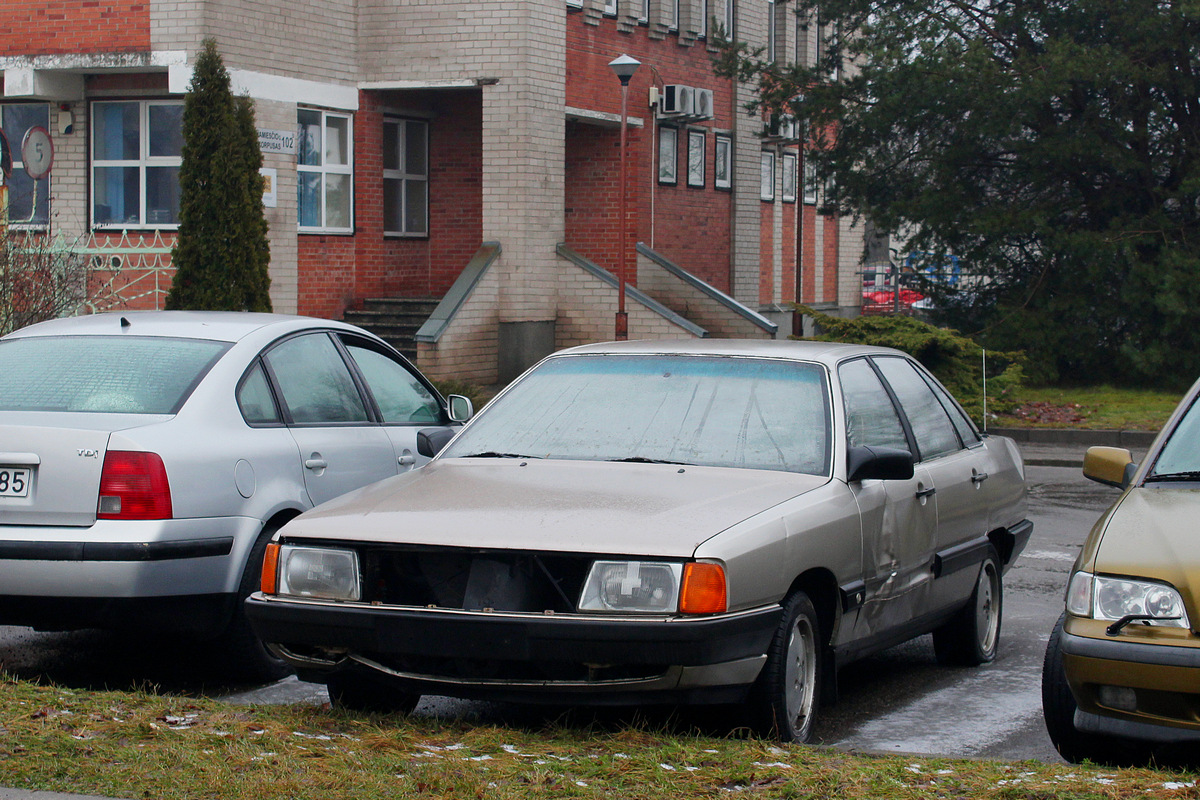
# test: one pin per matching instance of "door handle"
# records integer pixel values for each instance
(315, 463)
(407, 459)
(923, 493)
(978, 477)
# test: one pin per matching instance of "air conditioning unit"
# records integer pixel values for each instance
(703, 103)
(783, 127)
(678, 99)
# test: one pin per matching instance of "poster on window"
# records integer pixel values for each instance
(667, 150)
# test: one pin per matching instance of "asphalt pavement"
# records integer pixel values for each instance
(1057, 447)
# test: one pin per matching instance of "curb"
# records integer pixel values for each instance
(1078, 436)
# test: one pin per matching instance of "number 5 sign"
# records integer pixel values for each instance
(37, 153)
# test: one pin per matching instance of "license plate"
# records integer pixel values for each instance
(14, 481)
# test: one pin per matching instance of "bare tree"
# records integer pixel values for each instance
(40, 278)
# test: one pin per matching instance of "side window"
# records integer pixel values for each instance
(871, 418)
(966, 431)
(934, 431)
(28, 202)
(400, 396)
(315, 382)
(254, 399)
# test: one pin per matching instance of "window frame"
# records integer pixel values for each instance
(772, 30)
(668, 171)
(788, 188)
(323, 169)
(723, 161)
(18, 163)
(766, 191)
(143, 163)
(611, 8)
(810, 185)
(697, 150)
(405, 177)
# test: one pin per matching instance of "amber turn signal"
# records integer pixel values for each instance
(703, 589)
(270, 569)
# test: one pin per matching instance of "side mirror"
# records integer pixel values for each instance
(461, 408)
(1112, 466)
(878, 463)
(430, 441)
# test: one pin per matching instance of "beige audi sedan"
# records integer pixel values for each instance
(708, 521)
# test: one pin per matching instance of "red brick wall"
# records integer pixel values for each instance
(766, 252)
(830, 285)
(787, 291)
(808, 254)
(593, 194)
(73, 26)
(338, 271)
(690, 225)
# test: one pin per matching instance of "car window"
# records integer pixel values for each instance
(930, 424)
(103, 374)
(728, 412)
(966, 431)
(1180, 454)
(255, 400)
(314, 380)
(401, 397)
(871, 419)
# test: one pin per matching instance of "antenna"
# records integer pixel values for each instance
(984, 352)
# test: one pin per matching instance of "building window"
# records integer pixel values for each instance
(695, 158)
(768, 176)
(405, 177)
(667, 154)
(324, 165)
(575, 3)
(810, 182)
(771, 31)
(703, 26)
(730, 18)
(137, 147)
(789, 178)
(643, 14)
(610, 7)
(673, 14)
(723, 162)
(28, 203)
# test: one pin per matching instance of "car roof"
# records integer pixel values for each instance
(227, 326)
(802, 350)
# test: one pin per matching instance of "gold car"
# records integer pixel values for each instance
(1121, 678)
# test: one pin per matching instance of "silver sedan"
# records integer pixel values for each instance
(703, 521)
(146, 459)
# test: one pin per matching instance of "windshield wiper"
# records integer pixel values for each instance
(1191, 475)
(494, 454)
(644, 460)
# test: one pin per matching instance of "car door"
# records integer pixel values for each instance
(341, 446)
(899, 517)
(405, 404)
(958, 474)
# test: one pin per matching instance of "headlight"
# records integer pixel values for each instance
(650, 587)
(1102, 597)
(319, 572)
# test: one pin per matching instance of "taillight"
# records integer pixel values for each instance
(133, 485)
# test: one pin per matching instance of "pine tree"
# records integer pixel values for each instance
(221, 254)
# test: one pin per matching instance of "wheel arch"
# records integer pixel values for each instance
(821, 586)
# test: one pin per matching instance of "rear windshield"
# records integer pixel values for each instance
(712, 411)
(103, 374)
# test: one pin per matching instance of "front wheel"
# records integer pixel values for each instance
(972, 636)
(245, 657)
(785, 698)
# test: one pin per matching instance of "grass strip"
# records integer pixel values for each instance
(135, 745)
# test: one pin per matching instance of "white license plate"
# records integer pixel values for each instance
(14, 481)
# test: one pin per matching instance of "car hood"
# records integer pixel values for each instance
(1152, 534)
(565, 506)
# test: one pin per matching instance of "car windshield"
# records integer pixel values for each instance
(702, 410)
(102, 374)
(1180, 456)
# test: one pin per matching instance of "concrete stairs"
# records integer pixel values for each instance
(396, 320)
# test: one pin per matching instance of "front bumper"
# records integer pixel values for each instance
(525, 657)
(1164, 676)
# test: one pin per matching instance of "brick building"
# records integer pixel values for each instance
(461, 153)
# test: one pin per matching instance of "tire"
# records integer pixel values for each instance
(1058, 711)
(353, 690)
(972, 636)
(785, 699)
(243, 656)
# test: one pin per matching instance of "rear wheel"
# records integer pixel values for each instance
(784, 700)
(354, 690)
(242, 654)
(972, 636)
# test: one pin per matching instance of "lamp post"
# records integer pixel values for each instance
(623, 67)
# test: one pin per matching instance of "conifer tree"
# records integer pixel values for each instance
(221, 254)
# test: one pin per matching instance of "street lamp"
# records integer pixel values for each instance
(623, 67)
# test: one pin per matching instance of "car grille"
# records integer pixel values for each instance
(473, 580)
